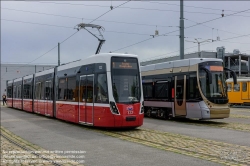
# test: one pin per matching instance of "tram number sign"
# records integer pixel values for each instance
(130, 112)
(130, 109)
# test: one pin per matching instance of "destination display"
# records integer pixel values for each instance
(124, 65)
(215, 68)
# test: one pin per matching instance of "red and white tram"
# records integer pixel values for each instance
(103, 90)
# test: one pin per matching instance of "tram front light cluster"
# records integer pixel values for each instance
(113, 108)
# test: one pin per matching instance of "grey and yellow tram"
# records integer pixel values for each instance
(189, 88)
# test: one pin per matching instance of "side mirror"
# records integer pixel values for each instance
(233, 74)
(208, 74)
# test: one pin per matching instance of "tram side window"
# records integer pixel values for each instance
(19, 95)
(38, 90)
(30, 92)
(179, 92)
(236, 87)
(48, 90)
(67, 89)
(62, 89)
(9, 92)
(244, 86)
(26, 91)
(102, 89)
(89, 90)
(148, 90)
(71, 89)
(14, 92)
(17, 91)
(161, 90)
(42, 90)
(229, 87)
(194, 92)
(180, 89)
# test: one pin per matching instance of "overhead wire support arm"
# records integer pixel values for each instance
(197, 41)
(98, 27)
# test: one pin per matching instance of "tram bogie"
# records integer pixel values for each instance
(189, 88)
(103, 90)
(156, 112)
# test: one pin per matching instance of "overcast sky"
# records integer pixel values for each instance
(29, 30)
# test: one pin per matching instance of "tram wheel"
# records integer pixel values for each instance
(166, 115)
(148, 113)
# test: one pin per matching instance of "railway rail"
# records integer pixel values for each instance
(215, 151)
(234, 122)
(240, 106)
(240, 116)
(220, 152)
(22, 152)
(216, 124)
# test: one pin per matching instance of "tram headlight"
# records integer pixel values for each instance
(113, 108)
(142, 108)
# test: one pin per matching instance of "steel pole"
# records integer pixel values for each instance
(181, 31)
(199, 52)
(58, 54)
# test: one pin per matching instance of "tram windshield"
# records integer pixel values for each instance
(215, 91)
(125, 80)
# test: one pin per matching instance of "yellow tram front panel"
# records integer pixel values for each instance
(239, 93)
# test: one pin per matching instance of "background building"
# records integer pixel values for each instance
(12, 71)
(236, 61)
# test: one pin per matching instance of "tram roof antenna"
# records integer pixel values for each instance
(98, 27)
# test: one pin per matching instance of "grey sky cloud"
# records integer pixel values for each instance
(24, 42)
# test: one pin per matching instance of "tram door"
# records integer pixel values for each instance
(180, 95)
(48, 97)
(245, 87)
(86, 102)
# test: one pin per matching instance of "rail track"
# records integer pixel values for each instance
(220, 152)
(240, 106)
(211, 123)
(22, 152)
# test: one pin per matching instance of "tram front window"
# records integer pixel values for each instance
(125, 80)
(216, 91)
